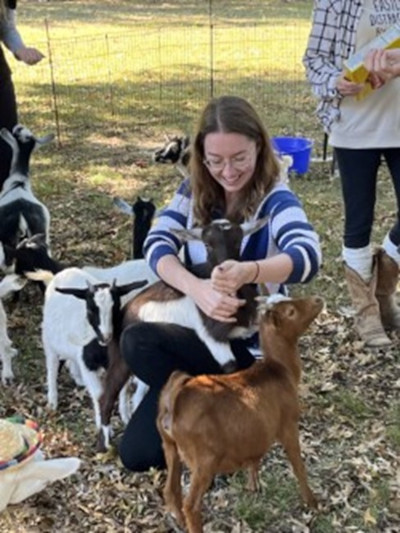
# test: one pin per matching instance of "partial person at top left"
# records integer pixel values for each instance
(11, 38)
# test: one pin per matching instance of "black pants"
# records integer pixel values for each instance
(153, 351)
(358, 173)
(8, 119)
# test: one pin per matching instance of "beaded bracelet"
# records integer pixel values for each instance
(257, 272)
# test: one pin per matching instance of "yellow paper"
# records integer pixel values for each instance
(354, 65)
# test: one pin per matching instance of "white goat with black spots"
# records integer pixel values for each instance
(77, 309)
(176, 151)
(21, 213)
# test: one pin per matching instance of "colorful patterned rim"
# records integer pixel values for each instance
(32, 439)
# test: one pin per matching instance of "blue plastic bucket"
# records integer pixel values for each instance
(299, 148)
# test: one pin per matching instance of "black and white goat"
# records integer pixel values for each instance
(32, 254)
(21, 213)
(142, 210)
(8, 284)
(162, 303)
(77, 309)
(176, 151)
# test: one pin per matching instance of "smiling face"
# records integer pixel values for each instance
(231, 160)
(232, 163)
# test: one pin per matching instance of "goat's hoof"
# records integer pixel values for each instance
(312, 501)
(229, 367)
(7, 380)
(179, 518)
(100, 444)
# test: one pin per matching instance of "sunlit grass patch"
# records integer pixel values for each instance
(393, 426)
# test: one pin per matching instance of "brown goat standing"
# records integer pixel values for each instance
(223, 423)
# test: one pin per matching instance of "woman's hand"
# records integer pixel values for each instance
(30, 56)
(215, 304)
(383, 63)
(230, 275)
(346, 87)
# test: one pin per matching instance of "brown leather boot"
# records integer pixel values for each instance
(388, 275)
(367, 319)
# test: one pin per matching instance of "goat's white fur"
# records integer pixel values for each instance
(65, 330)
(8, 284)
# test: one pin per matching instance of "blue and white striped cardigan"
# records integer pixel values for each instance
(288, 231)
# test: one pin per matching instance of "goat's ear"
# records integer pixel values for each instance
(9, 138)
(251, 227)
(41, 141)
(193, 234)
(124, 289)
(78, 293)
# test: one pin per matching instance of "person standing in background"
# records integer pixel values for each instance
(10, 37)
(363, 131)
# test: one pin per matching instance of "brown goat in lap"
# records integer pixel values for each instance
(223, 423)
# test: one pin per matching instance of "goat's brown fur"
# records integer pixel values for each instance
(223, 423)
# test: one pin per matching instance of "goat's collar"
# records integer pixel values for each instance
(277, 297)
(223, 223)
(268, 302)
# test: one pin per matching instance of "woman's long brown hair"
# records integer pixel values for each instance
(231, 114)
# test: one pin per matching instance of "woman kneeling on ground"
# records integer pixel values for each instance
(234, 174)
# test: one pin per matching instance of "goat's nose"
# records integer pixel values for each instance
(105, 338)
(229, 367)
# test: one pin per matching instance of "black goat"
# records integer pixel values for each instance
(142, 211)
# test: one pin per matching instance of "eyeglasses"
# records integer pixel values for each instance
(239, 163)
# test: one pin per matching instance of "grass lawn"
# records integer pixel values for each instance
(111, 117)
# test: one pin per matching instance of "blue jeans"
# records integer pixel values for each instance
(358, 172)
